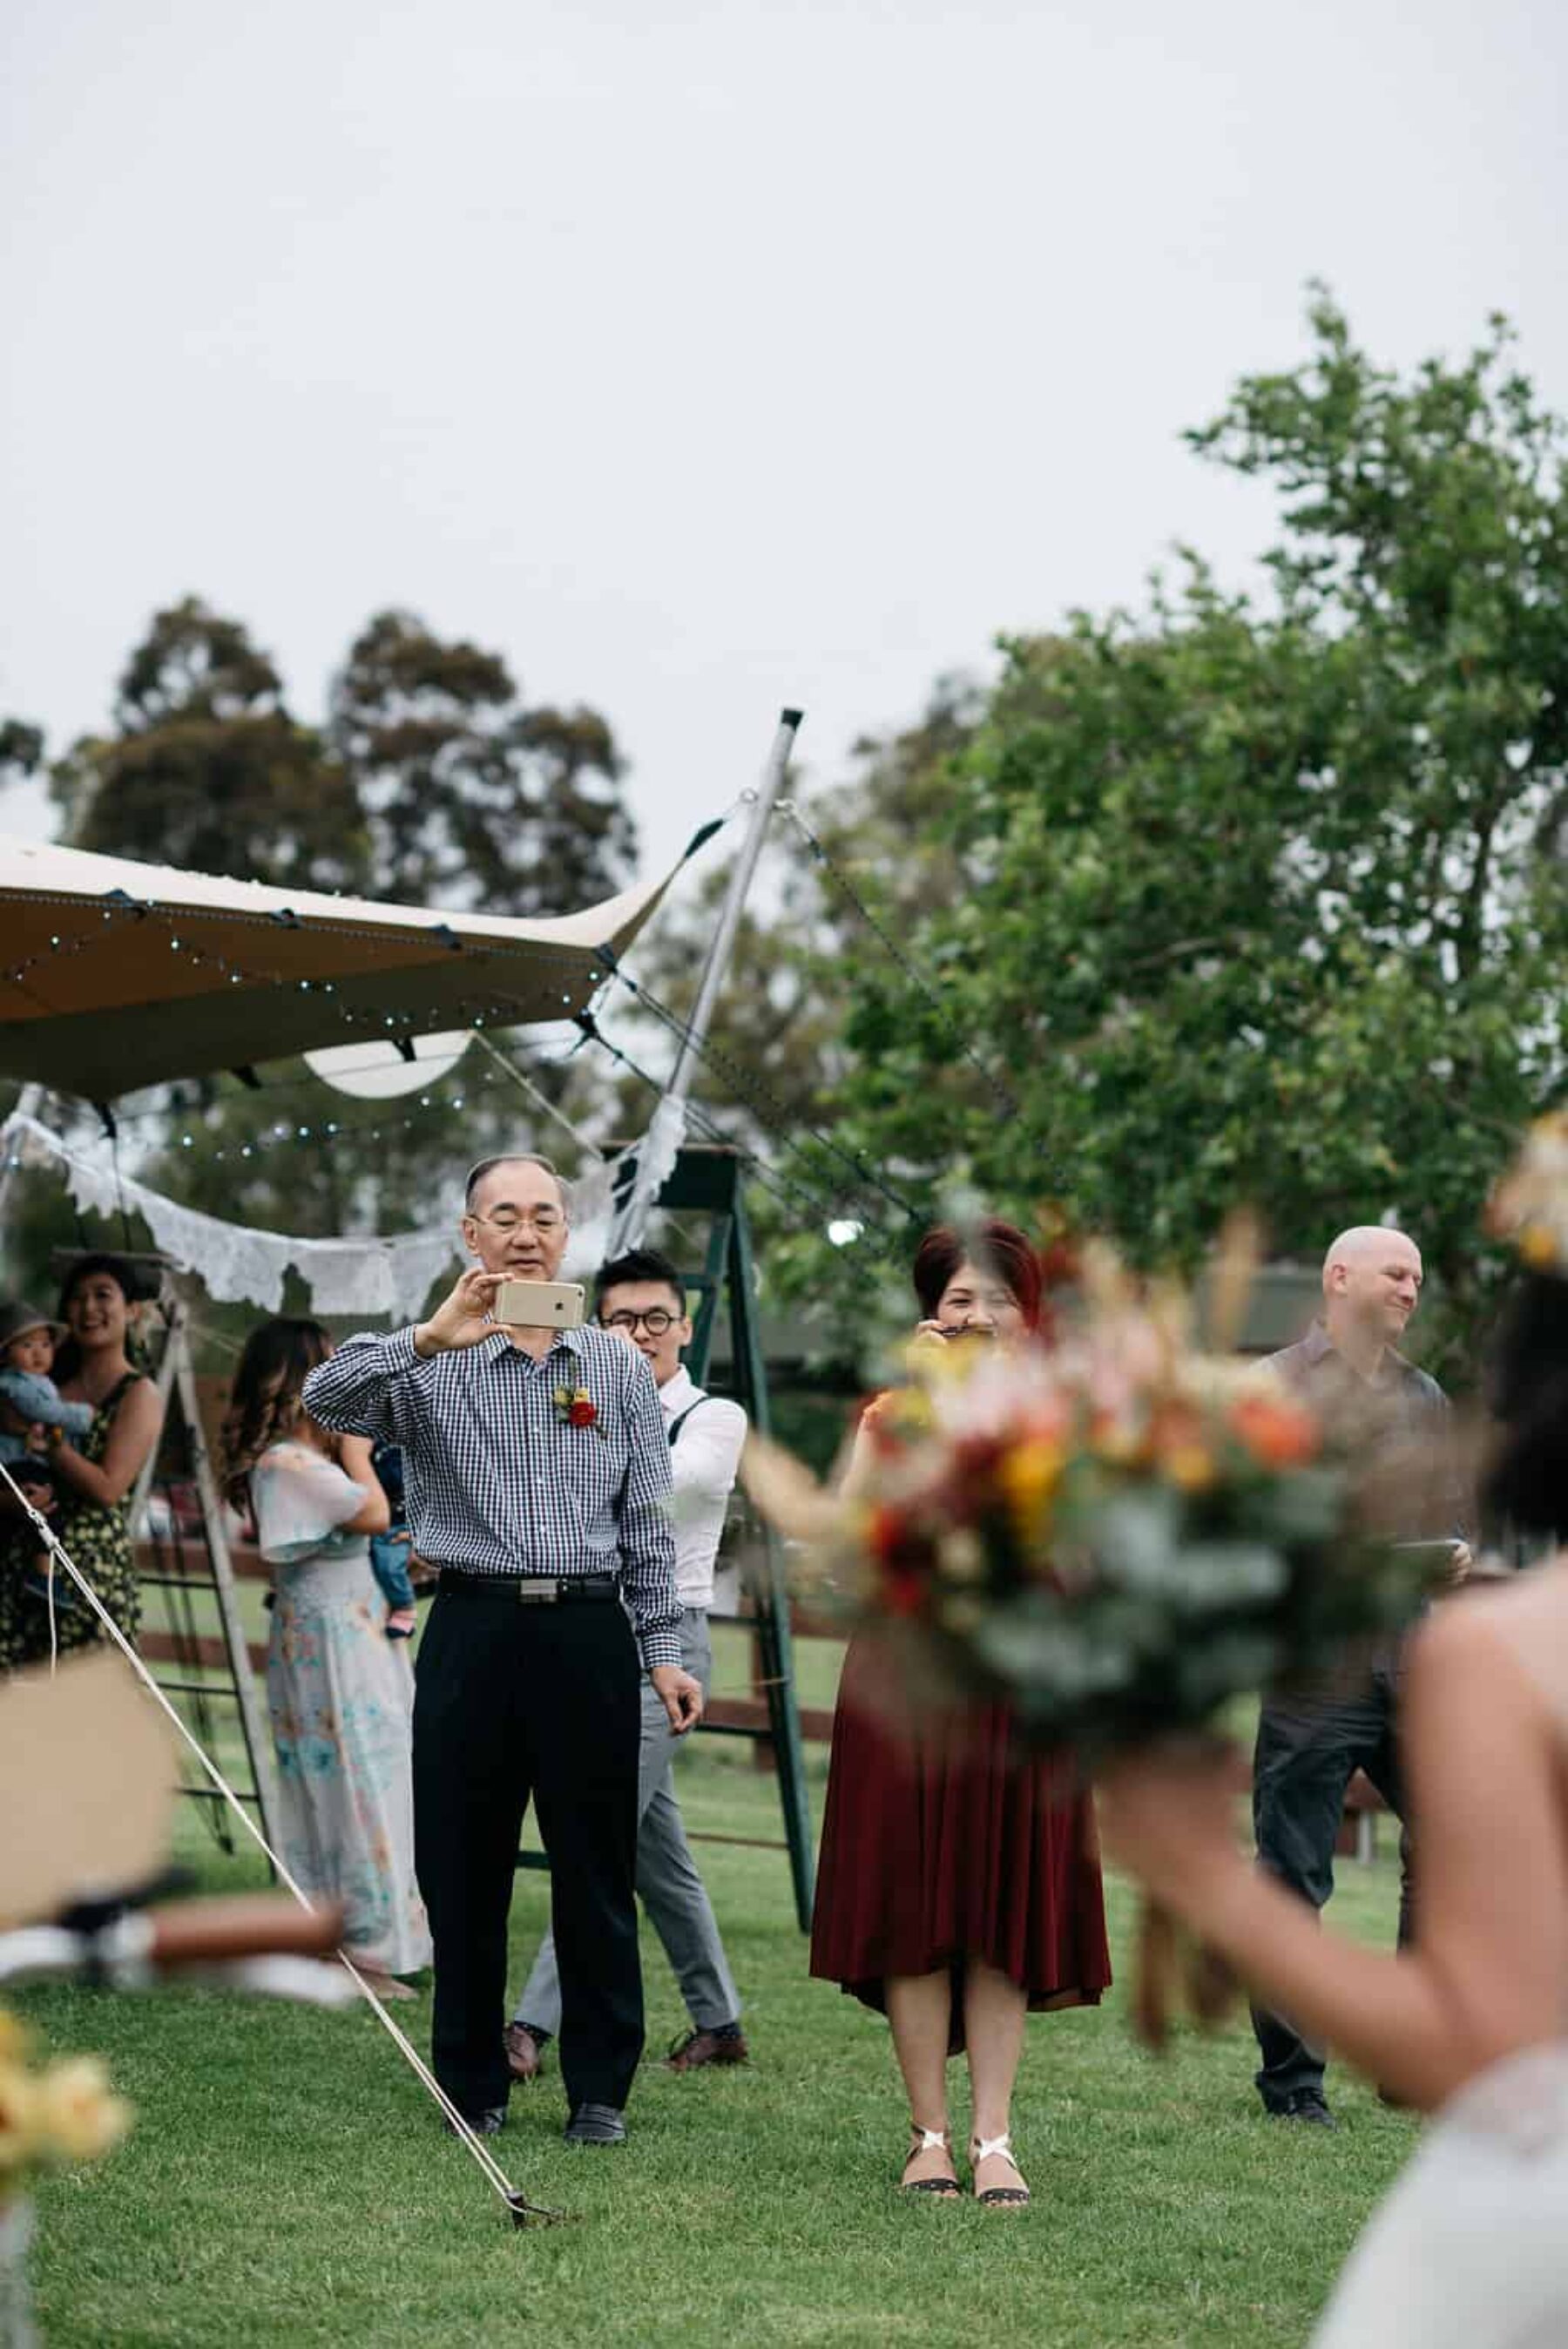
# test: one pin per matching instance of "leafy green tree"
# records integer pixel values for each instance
(1259, 897)
(433, 782)
(475, 799)
(21, 749)
(208, 770)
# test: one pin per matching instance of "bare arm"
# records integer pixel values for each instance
(131, 1437)
(1488, 1973)
(858, 1468)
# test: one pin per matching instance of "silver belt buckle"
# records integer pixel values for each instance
(545, 1593)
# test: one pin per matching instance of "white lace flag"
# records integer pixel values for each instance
(237, 1264)
(655, 1155)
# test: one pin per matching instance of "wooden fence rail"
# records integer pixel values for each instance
(737, 1714)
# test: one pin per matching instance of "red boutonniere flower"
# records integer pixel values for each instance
(577, 1407)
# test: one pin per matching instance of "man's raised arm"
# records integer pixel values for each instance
(351, 1392)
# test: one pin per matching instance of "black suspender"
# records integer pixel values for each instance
(677, 1424)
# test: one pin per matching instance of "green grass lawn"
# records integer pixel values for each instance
(288, 2179)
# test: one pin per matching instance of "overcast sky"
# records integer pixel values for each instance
(704, 358)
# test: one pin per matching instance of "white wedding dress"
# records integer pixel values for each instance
(1470, 2249)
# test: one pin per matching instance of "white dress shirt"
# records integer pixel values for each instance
(704, 1461)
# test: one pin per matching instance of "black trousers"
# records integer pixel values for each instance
(515, 1700)
(1304, 1759)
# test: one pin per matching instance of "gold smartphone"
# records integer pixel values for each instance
(540, 1304)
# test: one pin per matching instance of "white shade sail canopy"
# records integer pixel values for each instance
(115, 975)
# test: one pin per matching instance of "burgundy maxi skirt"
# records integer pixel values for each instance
(944, 1842)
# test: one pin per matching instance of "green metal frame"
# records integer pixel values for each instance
(707, 1180)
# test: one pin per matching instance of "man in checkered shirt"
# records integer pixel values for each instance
(538, 1479)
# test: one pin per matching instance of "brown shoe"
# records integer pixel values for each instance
(699, 2047)
(523, 2051)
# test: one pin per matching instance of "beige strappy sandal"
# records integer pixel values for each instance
(944, 2186)
(998, 2198)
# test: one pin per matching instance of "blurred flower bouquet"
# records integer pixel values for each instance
(1529, 1203)
(1119, 1533)
(51, 2115)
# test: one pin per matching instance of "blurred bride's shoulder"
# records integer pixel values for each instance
(1517, 1621)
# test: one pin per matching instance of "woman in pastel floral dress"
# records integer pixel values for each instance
(340, 1692)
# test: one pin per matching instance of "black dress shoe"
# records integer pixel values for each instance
(1308, 2105)
(700, 2048)
(595, 2125)
(489, 2123)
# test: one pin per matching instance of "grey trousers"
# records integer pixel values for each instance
(668, 1885)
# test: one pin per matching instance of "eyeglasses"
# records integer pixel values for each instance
(656, 1323)
(544, 1219)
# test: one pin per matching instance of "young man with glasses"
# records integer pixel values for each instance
(640, 1299)
(537, 1468)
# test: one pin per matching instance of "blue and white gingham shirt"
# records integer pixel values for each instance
(497, 1480)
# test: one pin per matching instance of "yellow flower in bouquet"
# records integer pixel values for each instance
(80, 2116)
(63, 2112)
(1029, 1475)
(1529, 1205)
(19, 2123)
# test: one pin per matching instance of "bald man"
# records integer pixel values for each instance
(1348, 1367)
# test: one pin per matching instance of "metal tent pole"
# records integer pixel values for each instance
(771, 1597)
(633, 1220)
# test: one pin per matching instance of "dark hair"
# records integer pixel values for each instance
(992, 1246)
(131, 1284)
(126, 1276)
(637, 1264)
(265, 1400)
(1526, 1482)
(510, 1158)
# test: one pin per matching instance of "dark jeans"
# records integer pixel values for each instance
(513, 1700)
(1304, 1759)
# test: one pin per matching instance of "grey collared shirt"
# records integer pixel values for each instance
(1403, 1404)
(499, 1481)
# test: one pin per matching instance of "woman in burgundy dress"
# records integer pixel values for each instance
(959, 1882)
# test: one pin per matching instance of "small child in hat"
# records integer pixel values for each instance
(30, 1401)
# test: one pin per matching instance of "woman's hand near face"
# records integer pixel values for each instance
(930, 1339)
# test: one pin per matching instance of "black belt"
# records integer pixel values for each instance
(530, 1589)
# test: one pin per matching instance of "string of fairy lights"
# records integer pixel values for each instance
(289, 1134)
(821, 1171)
(473, 1007)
